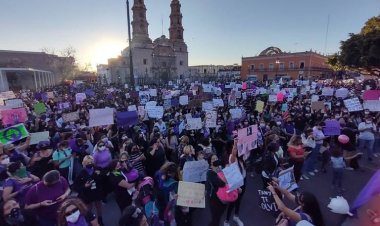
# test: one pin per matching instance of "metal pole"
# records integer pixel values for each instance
(130, 48)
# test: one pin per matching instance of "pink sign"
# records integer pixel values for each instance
(14, 116)
(280, 97)
(244, 85)
(371, 95)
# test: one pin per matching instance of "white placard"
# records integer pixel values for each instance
(314, 98)
(218, 102)
(195, 171)
(211, 117)
(194, 123)
(132, 108)
(184, 100)
(35, 138)
(151, 104)
(236, 113)
(79, 97)
(372, 105)
(191, 195)
(101, 117)
(233, 176)
(207, 106)
(272, 98)
(153, 92)
(287, 180)
(156, 112)
(341, 93)
(327, 91)
(353, 105)
(14, 103)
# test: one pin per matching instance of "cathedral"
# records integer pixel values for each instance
(161, 60)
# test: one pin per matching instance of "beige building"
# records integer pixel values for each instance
(163, 59)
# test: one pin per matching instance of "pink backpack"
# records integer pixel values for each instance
(223, 195)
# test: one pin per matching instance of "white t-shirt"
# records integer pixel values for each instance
(367, 135)
(318, 135)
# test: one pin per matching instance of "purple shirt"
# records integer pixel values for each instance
(40, 192)
(102, 158)
(11, 182)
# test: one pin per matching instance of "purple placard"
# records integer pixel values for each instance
(332, 128)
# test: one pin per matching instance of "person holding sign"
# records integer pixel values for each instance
(235, 158)
(297, 155)
(367, 131)
(308, 207)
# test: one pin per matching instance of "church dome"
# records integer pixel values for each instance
(271, 51)
(162, 47)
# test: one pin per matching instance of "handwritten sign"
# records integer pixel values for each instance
(266, 201)
(13, 116)
(14, 103)
(218, 102)
(287, 180)
(35, 138)
(101, 117)
(70, 117)
(211, 117)
(13, 134)
(194, 123)
(80, 97)
(332, 128)
(272, 98)
(341, 93)
(236, 113)
(156, 112)
(353, 105)
(207, 106)
(259, 106)
(184, 100)
(372, 105)
(64, 105)
(191, 195)
(233, 176)
(247, 139)
(195, 171)
(327, 91)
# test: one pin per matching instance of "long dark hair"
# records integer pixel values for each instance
(312, 208)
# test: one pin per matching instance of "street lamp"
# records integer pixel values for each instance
(130, 47)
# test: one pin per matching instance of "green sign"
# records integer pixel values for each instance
(13, 134)
(39, 108)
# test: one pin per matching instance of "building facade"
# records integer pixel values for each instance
(163, 59)
(272, 64)
(27, 70)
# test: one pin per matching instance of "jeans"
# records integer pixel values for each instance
(367, 145)
(337, 177)
(312, 158)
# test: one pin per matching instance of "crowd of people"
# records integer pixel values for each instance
(65, 179)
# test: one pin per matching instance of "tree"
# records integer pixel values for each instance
(361, 51)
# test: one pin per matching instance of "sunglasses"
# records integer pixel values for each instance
(71, 212)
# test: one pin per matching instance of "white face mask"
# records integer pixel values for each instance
(278, 123)
(105, 139)
(102, 148)
(5, 161)
(73, 218)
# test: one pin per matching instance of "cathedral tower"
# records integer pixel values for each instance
(140, 23)
(176, 28)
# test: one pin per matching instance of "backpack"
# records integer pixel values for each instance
(145, 190)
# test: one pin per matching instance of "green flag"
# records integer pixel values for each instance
(13, 134)
(39, 108)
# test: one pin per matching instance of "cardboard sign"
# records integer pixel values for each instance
(14, 103)
(372, 105)
(156, 112)
(327, 91)
(80, 97)
(70, 117)
(236, 113)
(207, 106)
(259, 106)
(318, 105)
(332, 128)
(371, 95)
(184, 100)
(101, 117)
(233, 176)
(353, 105)
(247, 139)
(13, 116)
(191, 195)
(195, 171)
(194, 124)
(287, 180)
(35, 138)
(266, 201)
(211, 117)
(13, 134)
(128, 118)
(39, 108)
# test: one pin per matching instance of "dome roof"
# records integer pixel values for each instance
(163, 47)
(271, 51)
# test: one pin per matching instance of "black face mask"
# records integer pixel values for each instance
(89, 166)
(15, 217)
(217, 163)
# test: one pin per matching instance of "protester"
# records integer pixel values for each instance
(338, 165)
(297, 155)
(62, 159)
(42, 160)
(73, 212)
(12, 214)
(133, 216)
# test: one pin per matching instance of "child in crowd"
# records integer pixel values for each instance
(338, 165)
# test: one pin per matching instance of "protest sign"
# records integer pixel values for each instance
(50, 95)
(156, 112)
(167, 104)
(141, 111)
(218, 102)
(195, 171)
(327, 91)
(194, 124)
(272, 98)
(353, 105)
(259, 106)
(372, 105)
(63, 105)
(191, 195)
(233, 176)
(70, 117)
(286, 179)
(284, 107)
(128, 118)
(80, 97)
(318, 105)
(314, 98)
(236, 113)
(184, 100)
(150, 104)
(153, 92)
(280, 97)
(211, 117)
(188, 115)
(132, 108)
(13, 116)
(7, 95)
(247, 139)
(371, 95)
(266, 201)
(35, 138)
(207, 106)
(39, 108)
(166, 94)
(14, 103)
(251, 92)
(13, 134)
(232, 98)
(195, 103)
(332, 128)
(341, 93)
(144, 97)
(2, 108)
(101, 117)
(207, 88)
(244, 85)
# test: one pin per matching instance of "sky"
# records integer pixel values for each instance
(216, 31)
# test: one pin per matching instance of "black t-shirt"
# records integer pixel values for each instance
(122, 194)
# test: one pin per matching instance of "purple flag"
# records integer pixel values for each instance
(371, 190)
(127, 118)
(332, 128)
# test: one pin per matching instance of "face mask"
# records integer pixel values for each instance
(5, 161)
(21, 173)
(217, 163)
(262, 124)
(89, 166)
(15, 217)
(105, 139)
(368, 122)
(102, 148)
(73, 218)
(278, 123)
